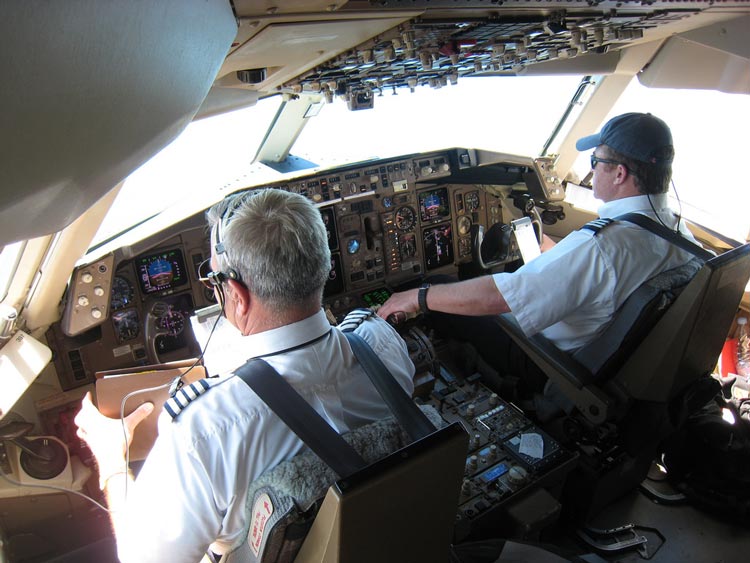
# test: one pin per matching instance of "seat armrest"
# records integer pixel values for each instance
(569, 375)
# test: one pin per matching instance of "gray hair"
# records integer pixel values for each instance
(276, 242)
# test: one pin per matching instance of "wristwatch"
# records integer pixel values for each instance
(422, 298)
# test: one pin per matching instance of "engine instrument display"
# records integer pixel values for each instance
(438, 246)
(161, 272)
(330, 223)
(433, 205)
(335, 282)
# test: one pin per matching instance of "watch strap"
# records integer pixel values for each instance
(422, 298)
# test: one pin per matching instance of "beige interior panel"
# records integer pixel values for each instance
(288, 49)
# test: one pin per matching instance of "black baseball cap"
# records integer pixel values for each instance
(636, 135)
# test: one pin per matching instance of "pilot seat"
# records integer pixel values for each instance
(619, 397)
(385, 499)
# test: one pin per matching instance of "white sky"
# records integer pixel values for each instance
(511, 114)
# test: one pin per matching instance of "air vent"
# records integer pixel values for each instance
(76, 364)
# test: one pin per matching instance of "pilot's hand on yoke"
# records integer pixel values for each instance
(105, 436)
(400, 306)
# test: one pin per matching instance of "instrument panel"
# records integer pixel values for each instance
(389, 223)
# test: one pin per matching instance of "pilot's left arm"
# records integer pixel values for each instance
(168, 513)
(108, 440)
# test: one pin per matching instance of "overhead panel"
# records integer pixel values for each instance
(441, 46)
(285, 50)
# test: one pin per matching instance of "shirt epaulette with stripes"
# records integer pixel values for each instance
(186, 395)
(355, 318)
(597, 225)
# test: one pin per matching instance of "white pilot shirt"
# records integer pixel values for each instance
(571, 292)
(191, 490)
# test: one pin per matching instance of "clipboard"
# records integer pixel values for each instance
(112, 386)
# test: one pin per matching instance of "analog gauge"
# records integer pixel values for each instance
(405, 218)
(127, 325)
(352, 247)
(122, 293)
(408, 245)
(472, 201)
(172, 322)
(464, 225)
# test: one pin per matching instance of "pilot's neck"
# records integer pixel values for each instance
(262, 318)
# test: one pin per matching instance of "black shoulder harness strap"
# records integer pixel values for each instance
(667, 234)
(409, 416)
(650, 225)
(300, 417)
(311, 428)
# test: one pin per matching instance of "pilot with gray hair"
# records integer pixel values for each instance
(269, 263)
(571, 291)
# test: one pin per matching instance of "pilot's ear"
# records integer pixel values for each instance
(621, 174)
(240, 295)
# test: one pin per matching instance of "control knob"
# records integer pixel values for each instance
(517, 475)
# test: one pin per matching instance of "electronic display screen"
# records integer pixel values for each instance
(494, 473)
(438, 246)
(330, 223)
(433, 205)
(162, 271)
(335, 283)
(376, 297)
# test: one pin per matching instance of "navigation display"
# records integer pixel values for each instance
(433, 205)
(162, 271)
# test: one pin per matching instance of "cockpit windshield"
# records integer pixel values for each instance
(513, 115)
(214, 156)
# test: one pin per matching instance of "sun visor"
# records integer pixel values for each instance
(718, 56)
(92, 91)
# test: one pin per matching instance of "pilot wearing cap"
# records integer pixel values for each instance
(572, 290)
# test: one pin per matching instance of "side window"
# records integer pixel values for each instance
(9, 258)
(709, 129)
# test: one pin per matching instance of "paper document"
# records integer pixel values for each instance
(523, 230)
